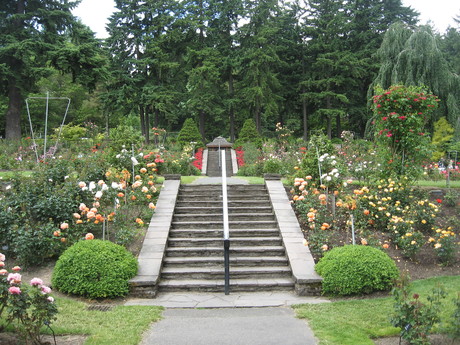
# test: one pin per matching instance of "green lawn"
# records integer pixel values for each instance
(437, 184)
(8, 175)
(357, 322)
(122, 325)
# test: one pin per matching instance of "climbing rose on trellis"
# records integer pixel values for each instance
(400, 115)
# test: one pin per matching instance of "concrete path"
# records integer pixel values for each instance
(230, 326)
(220, 300)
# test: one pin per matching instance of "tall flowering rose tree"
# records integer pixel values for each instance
(400, 115)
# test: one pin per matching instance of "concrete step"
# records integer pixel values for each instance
(211, 209)
(235, 261)
(218, 251)
(216, 242)
(218, 224)
(204, 217)
(218, 192)
(218, 233)
(204, 187)
(217, 198)
(236, 285)
(231, 203)
(213, 272)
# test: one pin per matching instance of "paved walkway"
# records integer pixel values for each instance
(230, 326)
(220, 300)
(235, 319)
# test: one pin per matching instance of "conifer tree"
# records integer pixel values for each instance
(38, 35)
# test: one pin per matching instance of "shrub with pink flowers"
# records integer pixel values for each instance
(27, 307)
(400, 115)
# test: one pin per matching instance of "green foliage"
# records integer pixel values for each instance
(351, 270)
(249, 134)
(442, 136)
(124, 136)
(189, 133)
(453, 329)
(33, 244)
(318, 146)
(414, 318)
(71, 132)
(94, 269)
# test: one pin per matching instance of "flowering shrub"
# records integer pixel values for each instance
(414, 318)
(400, 114)
(198, 162)
(239, 156)
(410, 243)
(444, 244)
(359, 156)
(28, 307)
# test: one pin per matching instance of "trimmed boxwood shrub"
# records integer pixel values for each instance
(352, 270)
(94, 269)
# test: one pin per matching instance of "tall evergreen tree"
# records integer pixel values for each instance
(368, 21)
(259, 61)
(36, 34)
(332, 69)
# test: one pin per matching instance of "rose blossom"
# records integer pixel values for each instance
(45, 289)
(14, 290)
(50, 299)
(14, 278)
(36, 282)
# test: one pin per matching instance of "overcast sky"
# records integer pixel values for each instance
(95, 13)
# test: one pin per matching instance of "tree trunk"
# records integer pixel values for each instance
(339, 125)
(142, 119)
(147, 124)
(305, 120)
(202, 121)
(329, 127)
(156, 120)
(231, 110)
(329, 120)
(257, 116)
(13, 114)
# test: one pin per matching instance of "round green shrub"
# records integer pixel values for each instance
(94, 269)
(352, 270)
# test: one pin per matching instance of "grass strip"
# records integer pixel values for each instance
(357, 322)
(122, 325)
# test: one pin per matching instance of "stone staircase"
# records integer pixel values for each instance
(213, 169)
(193, 259)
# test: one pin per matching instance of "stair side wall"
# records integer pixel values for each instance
(307, 281)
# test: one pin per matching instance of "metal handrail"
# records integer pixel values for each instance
(225, 223)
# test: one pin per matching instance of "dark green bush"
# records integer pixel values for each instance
(189, 133)
(249, 134)
(94, 269)
(352, 270)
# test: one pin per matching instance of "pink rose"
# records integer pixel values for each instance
(45, 289)
(36, 282)
(14, 278)
(14, 290)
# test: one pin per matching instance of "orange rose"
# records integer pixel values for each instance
(89, 236)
